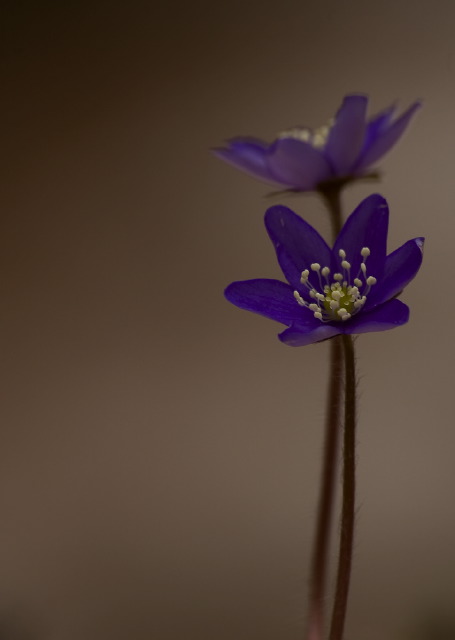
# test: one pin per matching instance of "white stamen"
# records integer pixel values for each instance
(316, 137)
(340, 297)
(299, 299)
(318, 140)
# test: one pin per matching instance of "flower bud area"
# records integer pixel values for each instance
(338, 298)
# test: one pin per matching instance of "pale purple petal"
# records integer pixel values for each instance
(386, 140)
(299, 336)
(376, 126)
(347, 134)
(249, 155)
(366, 227)
(389, 315)
(297, 244)
(400, 268)
(270, 298)
(297, 164)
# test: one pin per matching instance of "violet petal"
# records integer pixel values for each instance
(366, 227)
(270, 298)
(386, 316)
(347, 134)
(297, 244)
(400, 268)
(247, 155)
(386, 140)
(297, 164)
(299, 336)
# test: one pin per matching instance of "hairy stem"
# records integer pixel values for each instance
(326, 498)
(348, 508)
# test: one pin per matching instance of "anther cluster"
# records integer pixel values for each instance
(338, 298)
(316, 137)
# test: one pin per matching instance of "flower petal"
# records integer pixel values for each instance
(249, 155)
(366, 227)
(297, 164)
(376, 126)
(347, 134)
(297, 244)
(386, 139)
(270, 298)
(300, 336)
(389, 315)
(400, 268)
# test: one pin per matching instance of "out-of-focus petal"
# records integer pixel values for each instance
(386, 140)
(389, 315)
(270, 298)
(347, 134)
(400, 268)
(297, 164)
(249, 155)
(300, 336)
(376, 126)
(297, 244)
(366, 227)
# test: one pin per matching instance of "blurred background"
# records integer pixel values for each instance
(159, 448)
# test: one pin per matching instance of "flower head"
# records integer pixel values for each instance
(304, 160)
(351, 288)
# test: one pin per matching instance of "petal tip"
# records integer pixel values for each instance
(378, 201)
(357, 97)
(276, 213)
(229, 292)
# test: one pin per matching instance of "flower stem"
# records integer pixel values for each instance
(326, 498)
(348, 508)
(330, 458)
(331, 195)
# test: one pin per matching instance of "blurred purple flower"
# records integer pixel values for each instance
(302, 159)
(351, 288)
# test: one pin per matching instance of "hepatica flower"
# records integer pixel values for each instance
(302, 159)
(351, 288)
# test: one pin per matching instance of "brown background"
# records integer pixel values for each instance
(159, 448)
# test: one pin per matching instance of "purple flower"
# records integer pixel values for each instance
(351, 288)
(302, 159)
